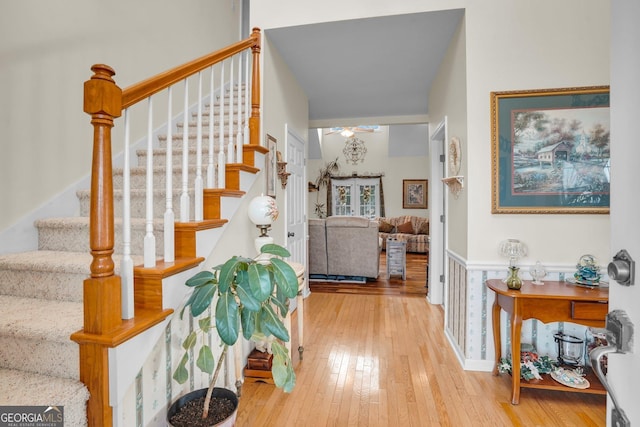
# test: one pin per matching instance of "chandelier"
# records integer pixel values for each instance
(354, 150)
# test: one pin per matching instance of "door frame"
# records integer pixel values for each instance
(290, 133)
(436, 293)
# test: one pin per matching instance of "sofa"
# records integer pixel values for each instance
(344, 246)
(408, 228)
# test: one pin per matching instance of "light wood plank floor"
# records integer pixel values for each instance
(383, 360)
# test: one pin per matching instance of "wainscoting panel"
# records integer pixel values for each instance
(469, 321)
(154, 389)
(457, 303)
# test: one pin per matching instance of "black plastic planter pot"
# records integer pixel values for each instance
(196, 394)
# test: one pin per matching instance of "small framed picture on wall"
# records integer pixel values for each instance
(414, 193)
(271, 166)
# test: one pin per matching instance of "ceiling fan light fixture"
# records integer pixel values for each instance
(347, 133)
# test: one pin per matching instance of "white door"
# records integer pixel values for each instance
(343, 197)
(437, 232)
(296, 201)
(624, 369)
(356, 197)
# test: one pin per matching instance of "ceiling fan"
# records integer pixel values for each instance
(349, 131)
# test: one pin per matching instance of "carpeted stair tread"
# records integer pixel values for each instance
(47, 261)
(56, 261)
(34, 318)
(82, 222)
(21, 388)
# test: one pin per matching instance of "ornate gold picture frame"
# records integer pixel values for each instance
(550, 151)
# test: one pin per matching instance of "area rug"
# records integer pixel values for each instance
(336, 278)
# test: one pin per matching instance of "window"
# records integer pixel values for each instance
(356, 197)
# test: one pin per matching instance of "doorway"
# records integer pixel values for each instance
(437, 215)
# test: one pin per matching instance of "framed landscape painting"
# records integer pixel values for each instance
(414, 193)
(550, 151)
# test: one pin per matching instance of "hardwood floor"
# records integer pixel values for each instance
(382, 359)
(414, 284)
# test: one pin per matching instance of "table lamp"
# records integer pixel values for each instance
(513, 249)
(262, 212)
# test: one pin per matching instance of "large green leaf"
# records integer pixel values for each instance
(285, 277)
(227, 321)
(201, 278)
(281, 302)
(272, 248)
(270, 324)
(259, 282)
(228, 272)
(282, 368)
(202, 296)
(247, 299)
(205, 360)
(248, 319)
(181, 375)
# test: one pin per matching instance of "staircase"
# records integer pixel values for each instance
(41, 292)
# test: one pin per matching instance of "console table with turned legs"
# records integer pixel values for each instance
(552, 302)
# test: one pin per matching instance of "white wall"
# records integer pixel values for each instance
(515, 46)
(508, 46)
(46, 51)
(448, 98)
(284, 103)
(388, 152)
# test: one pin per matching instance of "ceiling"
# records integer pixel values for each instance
(372, 67)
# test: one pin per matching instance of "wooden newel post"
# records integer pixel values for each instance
(254, 120)
(102, 294)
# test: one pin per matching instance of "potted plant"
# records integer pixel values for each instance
(252, 297)
(324, 180)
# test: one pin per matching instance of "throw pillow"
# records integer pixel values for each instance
(406, 228)
(424, 228)
(385, 227)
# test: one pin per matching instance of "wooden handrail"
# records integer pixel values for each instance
(139, 91)
(105, 101)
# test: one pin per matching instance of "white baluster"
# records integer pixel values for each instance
(210, 165)
(221, 156)
(126, 265)
(169, 216)
(247, 97)
(231, 150)
(239, 139)
(184, 197)
(149, 238)
(198, 182)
